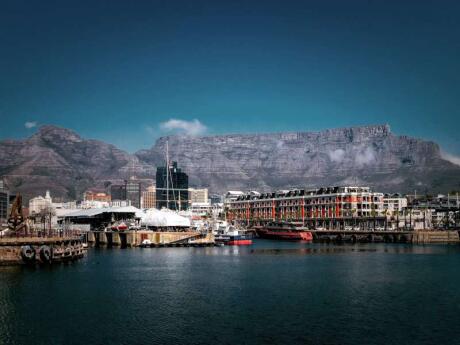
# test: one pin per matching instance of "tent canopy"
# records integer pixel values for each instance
(164, 218)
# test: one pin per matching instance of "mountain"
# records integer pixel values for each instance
(369, 155)
(60, 160)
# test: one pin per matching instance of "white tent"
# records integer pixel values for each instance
(163, 218)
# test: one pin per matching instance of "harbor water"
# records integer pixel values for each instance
(268, 293)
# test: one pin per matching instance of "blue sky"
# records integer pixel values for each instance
(120, 70)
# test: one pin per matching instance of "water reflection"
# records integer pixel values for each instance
(321, 249)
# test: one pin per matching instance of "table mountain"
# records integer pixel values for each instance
(369, 155)
(60, 160)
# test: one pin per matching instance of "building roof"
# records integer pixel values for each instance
(91, 212)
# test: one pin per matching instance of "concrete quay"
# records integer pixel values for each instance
(401, 236)
(134, 238)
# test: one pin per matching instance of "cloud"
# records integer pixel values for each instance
(450, 157)
(337, 155)
(364, 157)
(190, 128)
(30, 124)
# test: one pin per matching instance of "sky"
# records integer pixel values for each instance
(127, 72)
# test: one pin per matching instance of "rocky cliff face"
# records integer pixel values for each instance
(60, 160)
(369, 155)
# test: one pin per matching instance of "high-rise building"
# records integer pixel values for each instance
(172, 188)
(198, 195)
(133, 193)
(149, 197)
(118, 192)
(130, 191)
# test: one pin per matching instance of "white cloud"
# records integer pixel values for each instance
(337, 155)
(450, 157)
(190, 128)
(364, 157)
(30, 124)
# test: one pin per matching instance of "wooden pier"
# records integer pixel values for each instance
(40, 250)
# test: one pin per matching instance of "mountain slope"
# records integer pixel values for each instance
(369, 155)
(60, 160)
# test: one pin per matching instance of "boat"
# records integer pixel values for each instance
(119, 226)
(232, 236)
(146, 243)
(284, 231)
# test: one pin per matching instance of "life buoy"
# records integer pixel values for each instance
(45, 253)
(28, 253)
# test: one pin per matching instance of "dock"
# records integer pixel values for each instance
(40, 250)
(389, 236)
(134, 238)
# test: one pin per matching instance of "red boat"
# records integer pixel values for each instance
(239, 242)
(284, 231)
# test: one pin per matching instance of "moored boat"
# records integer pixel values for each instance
(232, 236)
(284, 231)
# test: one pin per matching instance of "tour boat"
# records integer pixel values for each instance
(232, 236)
(284, 231)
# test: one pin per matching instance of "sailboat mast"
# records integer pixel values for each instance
(167, 174)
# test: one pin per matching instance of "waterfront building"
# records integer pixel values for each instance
(85, 204)
(118, 192)
(416, 219)
(92, 195)
(198, 195)
(133, 192)
(149, 197)
(322, 207)
(38, 204)
(216, 199)
(129, 191)
(232, 195)
(394, 204)
(120, 203)
(171, 187)
(201, 209)
(97, 219)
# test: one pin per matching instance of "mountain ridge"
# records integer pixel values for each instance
(60, 160)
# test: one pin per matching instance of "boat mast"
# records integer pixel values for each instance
(167, 174)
